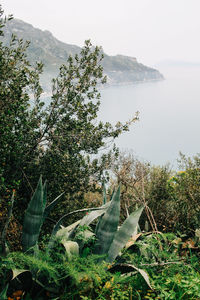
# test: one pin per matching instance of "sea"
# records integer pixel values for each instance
(169, 115)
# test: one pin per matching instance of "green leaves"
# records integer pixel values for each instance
(4, 231)
(34, 217)
(55, 139)
(109, 239)
(124, 234)
(52, 205)
(71, 248)
(108, 225)
(129, 268)
(3, 293)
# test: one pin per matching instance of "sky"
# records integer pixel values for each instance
(150, 30)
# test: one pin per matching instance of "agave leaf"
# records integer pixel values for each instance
(104, 194)
(72, 248)
(17, 272)
(62, 233)
(65, 231)
(127, 268)
(197, 233)
(24, 277)
(90, 217)
(51, 205)
(108, 225)
(97, 226)
(33, 218)
(60, 221)
(145, 276)
(132, 240)
(44, 195)
(88, 234)
(84, 238)
(124, 233)
(3, 293)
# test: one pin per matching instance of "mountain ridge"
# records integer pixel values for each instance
(45, 47)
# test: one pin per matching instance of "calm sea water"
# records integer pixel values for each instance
(169, 115)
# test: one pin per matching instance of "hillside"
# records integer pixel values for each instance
(52, 52)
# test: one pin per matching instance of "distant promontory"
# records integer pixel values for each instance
(45, 47)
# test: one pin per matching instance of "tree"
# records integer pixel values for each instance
(19, 124)
(55, 139)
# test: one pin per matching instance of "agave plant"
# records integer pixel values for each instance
(37, 211)
(110, 238)
(35, 215)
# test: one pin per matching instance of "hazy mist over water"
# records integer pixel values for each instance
(169, 115)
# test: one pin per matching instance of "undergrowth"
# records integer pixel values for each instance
(173, 270)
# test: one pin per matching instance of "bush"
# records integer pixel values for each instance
(172, 197)
(185, 194)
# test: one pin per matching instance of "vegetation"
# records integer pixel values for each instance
(55, 139)
(141, 241)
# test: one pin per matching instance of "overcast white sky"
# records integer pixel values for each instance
(150, 30)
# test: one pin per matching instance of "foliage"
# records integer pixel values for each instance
(171, 197)
(5, 228)
(83, 239)
(143, 183)
(171, 262)
(19, 124)
(168, 259)
(174, 275)
(109, 239)
(57, 138)
(35, 215)
(185, 193)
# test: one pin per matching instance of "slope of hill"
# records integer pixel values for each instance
(52, 52)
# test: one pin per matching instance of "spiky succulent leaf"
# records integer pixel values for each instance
(90, 217)
(65, 231)
(17, 272)
(108, 225)
(44, 195)
(33, 218)
(129, 268)
(87, 234)
(69, 231)
(72, 248)
(99, 221)
(62, 233)
(3, 293)
(104, 194)
(123, 234)
(61, 220)
(51, 205)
